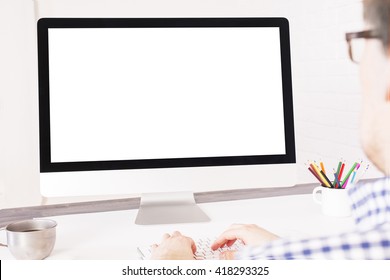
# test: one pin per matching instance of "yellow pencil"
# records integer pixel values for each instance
(322, 167)
(315, 168)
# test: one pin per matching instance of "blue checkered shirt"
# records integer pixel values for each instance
(370, 239)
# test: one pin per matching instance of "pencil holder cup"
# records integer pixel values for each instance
(334, 202)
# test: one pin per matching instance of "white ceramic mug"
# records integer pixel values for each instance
(334, 202)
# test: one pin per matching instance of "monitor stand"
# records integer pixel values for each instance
(169, 208)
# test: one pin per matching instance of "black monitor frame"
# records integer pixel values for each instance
(44, 24)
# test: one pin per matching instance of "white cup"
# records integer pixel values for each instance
(334, 202)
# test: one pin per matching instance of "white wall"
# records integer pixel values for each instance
(325, 82)
(19, 170)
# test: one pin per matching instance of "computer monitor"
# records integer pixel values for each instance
(145, 105)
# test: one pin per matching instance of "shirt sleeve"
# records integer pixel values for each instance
(372, 244)
(370, 203)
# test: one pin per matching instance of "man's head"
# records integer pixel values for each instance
(375, 78)
(376, 13)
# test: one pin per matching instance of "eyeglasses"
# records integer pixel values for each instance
(356, 43)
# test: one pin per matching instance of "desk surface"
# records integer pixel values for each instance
(113, 234)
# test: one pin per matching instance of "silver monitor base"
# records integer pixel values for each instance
(169, 208)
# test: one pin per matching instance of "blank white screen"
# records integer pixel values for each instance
(150, 93)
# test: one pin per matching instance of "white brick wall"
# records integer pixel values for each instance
(327, 96)
(325, 82)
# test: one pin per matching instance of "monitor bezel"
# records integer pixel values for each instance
(44, 24)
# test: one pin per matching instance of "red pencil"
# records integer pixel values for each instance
(341, 172)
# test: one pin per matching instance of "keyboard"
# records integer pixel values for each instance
(203, 250)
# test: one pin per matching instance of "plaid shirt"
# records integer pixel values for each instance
(370, 239)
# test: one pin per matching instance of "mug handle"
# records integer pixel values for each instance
(315, 191)
(1, 244)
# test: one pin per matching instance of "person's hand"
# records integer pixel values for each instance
(249, 234)
(174, 247)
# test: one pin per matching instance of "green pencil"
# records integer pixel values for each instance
(348, 174)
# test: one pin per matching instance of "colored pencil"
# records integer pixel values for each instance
(322, 167)
(336, 180)
(326, 178)
(338, 171)
(341, 172)
(315, 168)
(349, 174)
(354, 173)
(338, 167)
(353, 176)
(362, 175)
(315, 175)
(345, 184)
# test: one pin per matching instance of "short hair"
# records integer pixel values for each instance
(376, 13)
